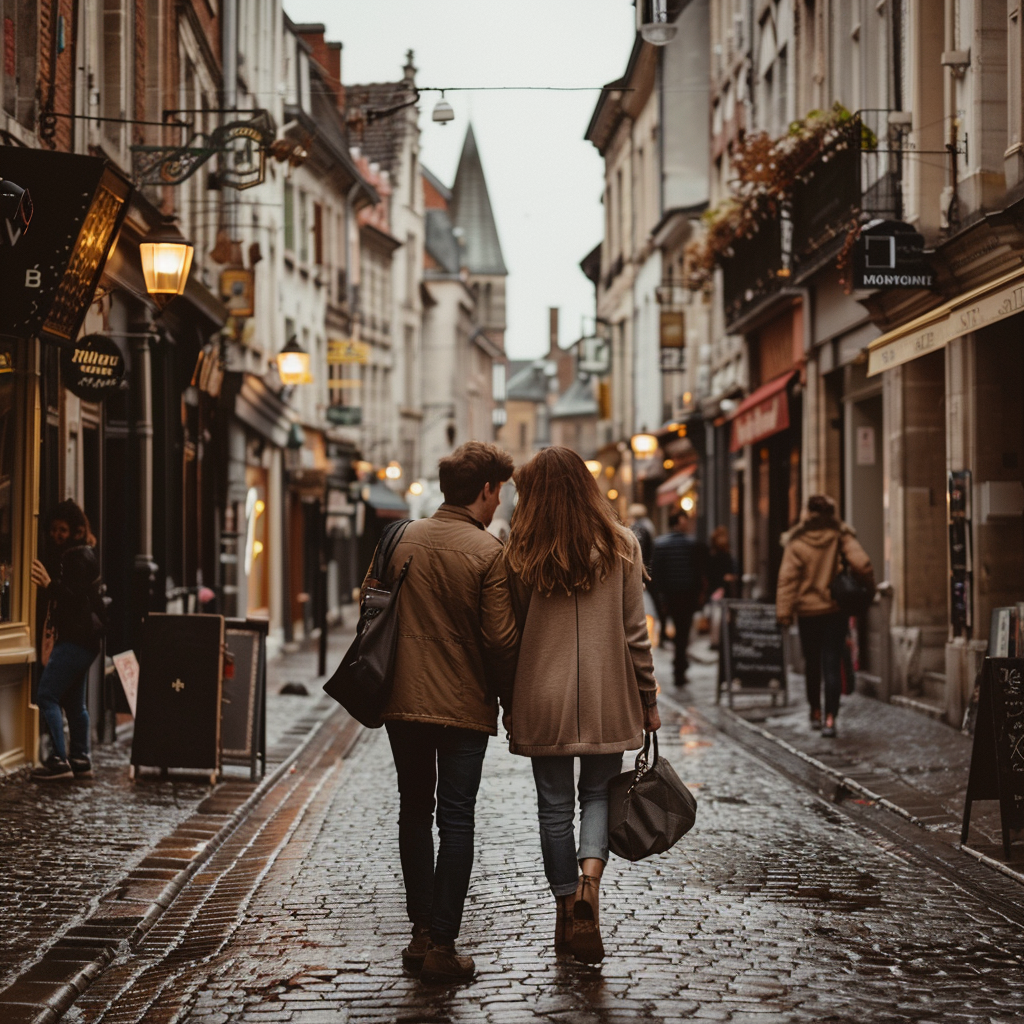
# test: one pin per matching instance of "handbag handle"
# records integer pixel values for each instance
(642, 757)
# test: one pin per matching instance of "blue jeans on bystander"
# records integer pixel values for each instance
(63, 684)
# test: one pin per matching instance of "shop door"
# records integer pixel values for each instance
(864, 477)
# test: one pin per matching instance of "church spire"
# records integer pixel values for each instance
(471, 211)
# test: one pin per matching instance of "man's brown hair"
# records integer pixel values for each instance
(463, 474)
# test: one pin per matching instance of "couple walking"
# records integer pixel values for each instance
(552, 626)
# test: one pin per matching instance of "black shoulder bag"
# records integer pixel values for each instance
(363, 681)
(852, 596)
(649, 808)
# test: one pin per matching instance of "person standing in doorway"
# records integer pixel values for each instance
(815, 548)
(455, 657)
(72, 636)
(679, 579)
(584, 685)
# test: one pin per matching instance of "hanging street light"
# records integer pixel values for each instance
(166, 260)
(643, 445)
(293, 363)
(443, 111)
(393, 470)
(653, 23)
(594, 466)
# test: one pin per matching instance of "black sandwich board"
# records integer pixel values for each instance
(751, 657)
(997, 759)
(178, 708)
(243, 715)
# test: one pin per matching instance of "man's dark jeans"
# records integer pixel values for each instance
(450, 760)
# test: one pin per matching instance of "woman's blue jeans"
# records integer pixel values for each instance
(63, 684)
(556, 806)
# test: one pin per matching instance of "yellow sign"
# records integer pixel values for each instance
(347, 350)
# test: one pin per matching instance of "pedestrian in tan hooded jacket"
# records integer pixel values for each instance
(815, 548)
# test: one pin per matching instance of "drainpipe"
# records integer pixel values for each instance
(229, 62)
(145, 568)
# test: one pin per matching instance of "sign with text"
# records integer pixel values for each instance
(341, 351)
(890, 254)
(127, 666)
(766, 418)
(753, 658)
(93, 368)
(673, 328)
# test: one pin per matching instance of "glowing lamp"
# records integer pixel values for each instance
(393, 471)
(166, 260)
(643, 445)
(293, 363)
(594, 466)
(687, 504)
(613, 494)
(416, 488)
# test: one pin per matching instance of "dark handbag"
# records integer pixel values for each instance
(649, 808)
(852, 596)
(363, 681)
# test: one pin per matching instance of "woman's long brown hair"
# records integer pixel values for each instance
(559, 523)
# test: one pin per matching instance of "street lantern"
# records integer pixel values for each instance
(653, 23)
(594, 466)
(393, 471)
(416, 488)
(643, 445)
(443, 111)
(166, 260)
(293, 363)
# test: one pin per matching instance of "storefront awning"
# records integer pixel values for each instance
(384, 501)
(675, 487)
(762, 414)
(928, 333)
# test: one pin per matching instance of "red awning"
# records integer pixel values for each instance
(761, 414)
(674, 487)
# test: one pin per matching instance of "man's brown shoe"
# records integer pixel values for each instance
(442, 966)
(413, 954)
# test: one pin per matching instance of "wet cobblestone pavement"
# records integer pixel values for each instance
(777, 907)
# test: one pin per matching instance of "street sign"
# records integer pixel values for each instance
(347, 350)
(890, 254)
(595, 356)
(345, 415)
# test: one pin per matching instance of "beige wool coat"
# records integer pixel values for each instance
(585, 670)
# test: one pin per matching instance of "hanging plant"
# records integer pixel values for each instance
(766, 171)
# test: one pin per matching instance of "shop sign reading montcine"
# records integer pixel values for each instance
(93, 368)
(890, 254)
(49, 278)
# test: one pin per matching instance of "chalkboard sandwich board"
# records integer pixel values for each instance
(752, 658)
(243, 716)
(997, 758)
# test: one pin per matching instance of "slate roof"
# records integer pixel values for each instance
(577, 400)
(471, 211)
(379, 138)
(528, 383)
(440, 240)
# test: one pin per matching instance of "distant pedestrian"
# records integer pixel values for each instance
(723, 575)
(643, 529)
(809, 564)
(584, 683)
(72, 635)
(455, 656)
(679, 580)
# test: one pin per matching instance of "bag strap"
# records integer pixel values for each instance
(389, 540)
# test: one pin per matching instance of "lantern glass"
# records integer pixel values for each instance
(644, 445)
(293, 365)
(393, 470)
(165, 266)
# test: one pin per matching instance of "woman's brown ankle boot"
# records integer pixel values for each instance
(586, 932)
(563, 922)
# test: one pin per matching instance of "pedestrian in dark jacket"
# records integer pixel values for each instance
(72, 636)
(455, 657)
(643, 529)
(679, 579)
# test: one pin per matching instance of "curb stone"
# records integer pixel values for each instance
(43, 993)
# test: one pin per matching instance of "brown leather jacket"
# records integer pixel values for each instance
(810, 563)
(457, 635)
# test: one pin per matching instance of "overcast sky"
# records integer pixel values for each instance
(545, 182)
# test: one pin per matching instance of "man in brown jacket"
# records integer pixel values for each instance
(815, 548)
(456, 656)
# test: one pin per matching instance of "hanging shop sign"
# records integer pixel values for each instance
(673, 328)
(49, 278)
(890, 254)
(345, 415)
(341, 351)
(237, 291)
(594, 356)
(93, 368)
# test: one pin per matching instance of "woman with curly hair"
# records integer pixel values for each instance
(584, 685)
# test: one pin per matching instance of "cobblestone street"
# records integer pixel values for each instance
(776, 907)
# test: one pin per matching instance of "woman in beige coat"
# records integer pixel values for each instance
(584, 684)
